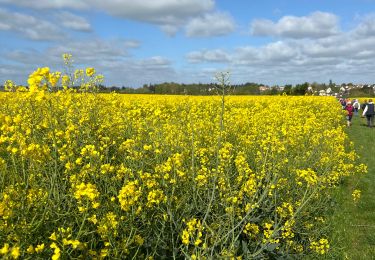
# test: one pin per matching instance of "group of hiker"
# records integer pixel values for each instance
(353, 107)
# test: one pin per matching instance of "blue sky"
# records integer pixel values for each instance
(151, 41)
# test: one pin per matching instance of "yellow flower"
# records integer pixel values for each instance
(320, 247)
(15, 253)
(39, 248)
(251, 229)
(139, 240)
(129, 195)
(147, 147)
(5, 249)
(356, 195)
(104, 252)
(185, 237)
(53, 236)
(30, 250)
(56, 252)
(93, 219)
(90, 72)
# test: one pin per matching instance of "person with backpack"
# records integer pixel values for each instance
(356, 106)
(350, 109)
(343, 103)
(369, 112)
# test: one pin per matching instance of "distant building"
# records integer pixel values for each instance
(264, 88)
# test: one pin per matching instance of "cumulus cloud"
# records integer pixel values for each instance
(154, 62)
(92, 50)
(216, 55)
(134, 72)
(210, 24)
(48, 4)
(29, 26)
(170, 29)
(278, 52)
(155, 11)
(109, 57)
(340, 56)
(366, 28)
(170, 15)
(131, 44)
(272, 53)
(315, 25)
(74, 22)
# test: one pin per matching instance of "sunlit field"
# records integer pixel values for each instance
(120, 176)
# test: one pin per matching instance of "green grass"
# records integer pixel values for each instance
(353, 225)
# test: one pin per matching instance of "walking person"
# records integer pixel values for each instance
(343, 103)
(350, 109)
(369, 112)
(364, 104)
(356, 106)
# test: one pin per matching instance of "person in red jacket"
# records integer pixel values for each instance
(350, 109)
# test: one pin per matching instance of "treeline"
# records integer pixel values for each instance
(249, 88)
(173, 88)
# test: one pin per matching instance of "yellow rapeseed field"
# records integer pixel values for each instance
(86, 175)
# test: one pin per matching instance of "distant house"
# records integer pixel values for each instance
(264, 88)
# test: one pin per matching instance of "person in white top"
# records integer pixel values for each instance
(356, 106)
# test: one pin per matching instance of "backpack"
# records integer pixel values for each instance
(356, 105)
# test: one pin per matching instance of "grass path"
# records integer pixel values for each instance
(354, 225)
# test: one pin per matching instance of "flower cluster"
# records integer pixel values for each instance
(321, 246)
(356, 195)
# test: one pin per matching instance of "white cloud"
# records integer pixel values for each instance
(29, 26)
(169, 29)
(316, 25)
(74, 22)
(155, 11)
(110, 58)
(91, 50)
(170, 15)
(155, 62)
(366, 28)
(216, 55)
(210, 24)
(48, 4)
(137, 72)
(131, 43)
(278, 52)
(339, 57)
(272, 53)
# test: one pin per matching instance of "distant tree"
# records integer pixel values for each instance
(152, 88)
(274, 90)
(331, 84)
(300, 89)
(288, 89)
